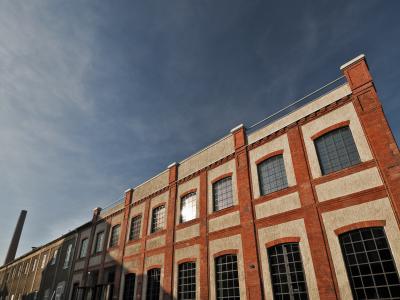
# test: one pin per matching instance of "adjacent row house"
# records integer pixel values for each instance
(304, 207)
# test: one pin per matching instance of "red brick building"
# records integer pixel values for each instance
(304, 207)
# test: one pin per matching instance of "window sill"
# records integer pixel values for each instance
(187, 223)
(223, 211)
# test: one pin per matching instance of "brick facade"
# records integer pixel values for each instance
(312, 211)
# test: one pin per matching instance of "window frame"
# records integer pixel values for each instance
(267, 159)
(366, 267)
(180, 279)
(316, 138)
(114, 243)
(81, 248)
(99, 245)
(153, 228)
(131, 236)
(150, 291)
(287, 267)
(214, 183)
(183, 197)
(236, 280)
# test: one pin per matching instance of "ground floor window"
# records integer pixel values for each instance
(129, 288)
(187, 281)
(227, 277)
(153, 284)
(369, 263)
(287, 274)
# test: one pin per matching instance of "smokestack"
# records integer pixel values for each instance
(12, 250)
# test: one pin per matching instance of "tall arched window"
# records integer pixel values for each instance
(369, 263)
(187, 281)
(287, 274)
(227, 277)
(153, 284)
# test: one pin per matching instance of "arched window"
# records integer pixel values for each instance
(153, 284)
(272, 175)
(287, 274)
(336, 150)
(222, 193)
(158, 218)
(115, 235)
(188, 207)
(129, 286)
(369, 263)
(134, 232)
(227, 277)
(187, 281)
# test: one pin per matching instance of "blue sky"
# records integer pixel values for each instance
(97, 96)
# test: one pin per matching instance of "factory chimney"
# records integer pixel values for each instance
(12, 250)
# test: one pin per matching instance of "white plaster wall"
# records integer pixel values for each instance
(349, 184)
(280, 143)
(183, 188)
(375, 210)
(278, 205)
(294, 228)
(215, 246)
(151, 186)
(95, 260)
(224, 221)
(79, 265)
(305, 110)
(218, 171)
(156, 242)
(132, 249)
(187, 233)
(344, 113)
(213, 153)
(187, 252)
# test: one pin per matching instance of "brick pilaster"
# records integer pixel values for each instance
(121, 243)
(316, 239)
(249, 241)
(140, 275)
(204, 277)
(96, 213)
(170, 232)
(376, 128)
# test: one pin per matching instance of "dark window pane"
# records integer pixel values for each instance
(272, 175)
(134, 232)
(336, 150)
(227, 278)
(129, 288)
(158, 219)
(222, 193)
(287, 274)
(187, 281)
(153, 284)
(114, 235)
(374, 275)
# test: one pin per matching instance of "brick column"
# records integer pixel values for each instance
(316, 239)
(249, 241)
(170, 232)
(140, 275)
(121, 244)
(96, 213)
(375, 125)
(204, 274)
